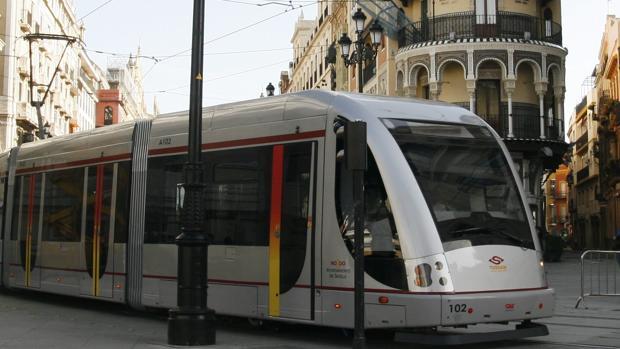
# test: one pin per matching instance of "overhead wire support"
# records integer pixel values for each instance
(38, 104)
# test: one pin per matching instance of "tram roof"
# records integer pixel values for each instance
(116, 139)
(317, 102)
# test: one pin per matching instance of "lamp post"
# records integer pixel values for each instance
(192, 323)
(270, 90)
(355, 152)
(361, 51)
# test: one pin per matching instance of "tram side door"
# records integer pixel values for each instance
(98, 208)
(291, 231)
(29, 229)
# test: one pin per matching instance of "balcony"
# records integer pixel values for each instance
(467, 25)
(583, 174)
(523, 125)
(582, 143)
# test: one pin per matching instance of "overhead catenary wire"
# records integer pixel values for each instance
(236, 31)
(217, 78)
(94, 10)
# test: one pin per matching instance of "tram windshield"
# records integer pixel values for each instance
(466, 181)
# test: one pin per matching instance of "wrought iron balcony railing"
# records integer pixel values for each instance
(467, 25)
(524, 126)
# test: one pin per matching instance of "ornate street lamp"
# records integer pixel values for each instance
(361, 50)
(270, 90)
(355, 151)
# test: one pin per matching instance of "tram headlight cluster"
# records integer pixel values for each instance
(429, 274)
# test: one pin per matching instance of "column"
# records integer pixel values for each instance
(559, 99)
(471, 90)
(510, 127)
(435, 90)
(541, 89)
(541, 98)
(509, 87)
(410, 91)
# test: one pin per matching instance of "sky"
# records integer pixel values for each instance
(249, 45)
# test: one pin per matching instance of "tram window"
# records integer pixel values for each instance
(161, 220)
(121, 220)
(3, 181)
(17, 202)
(383, 258)
(295, 212)
(467, 183)
(62, 218)
(238, 196)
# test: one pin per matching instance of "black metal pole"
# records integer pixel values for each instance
(355, 153)
(192, 323)
(360, 61)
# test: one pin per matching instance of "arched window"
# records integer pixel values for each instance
(107, 115)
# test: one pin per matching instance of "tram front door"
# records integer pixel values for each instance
(291, 231)
(98, 214)
(29, 228)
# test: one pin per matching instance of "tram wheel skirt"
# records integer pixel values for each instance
(452, 337)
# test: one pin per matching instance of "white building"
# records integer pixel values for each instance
(73, 78)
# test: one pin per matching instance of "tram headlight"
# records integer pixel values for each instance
(423, 275)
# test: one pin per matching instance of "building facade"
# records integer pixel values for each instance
(556, 200)
(69, 102)
(123, 99)
(607, 112)
(502, 59)
(584, 166)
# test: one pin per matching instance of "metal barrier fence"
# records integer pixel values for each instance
(600, 274)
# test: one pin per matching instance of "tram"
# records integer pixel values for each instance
(448, 239)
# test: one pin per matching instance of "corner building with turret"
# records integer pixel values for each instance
(502, 59)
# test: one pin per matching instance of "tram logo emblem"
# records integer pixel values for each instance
(497, 260)
(497, 264)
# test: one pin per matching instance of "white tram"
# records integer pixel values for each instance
(448, 240)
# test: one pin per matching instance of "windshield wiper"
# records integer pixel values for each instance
(499, 231)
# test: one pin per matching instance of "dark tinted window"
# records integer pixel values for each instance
(62, 218)
(238, 196)
(17, 205)
(467, 183)
(295, 212)
(161, 219)
(3, 199)
(121, 218)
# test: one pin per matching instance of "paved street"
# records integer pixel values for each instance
(32, 320)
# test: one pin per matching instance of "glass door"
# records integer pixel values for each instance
(291, 232)
(486, 18)
(98, 231)
(29, 230)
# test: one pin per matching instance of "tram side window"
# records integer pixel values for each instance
(161, 219)
(18, 198)
(238, 196)
(3, 181)
(382, 255)
(62, 218)
(121, 220)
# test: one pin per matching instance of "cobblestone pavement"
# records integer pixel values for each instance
(34, 320)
